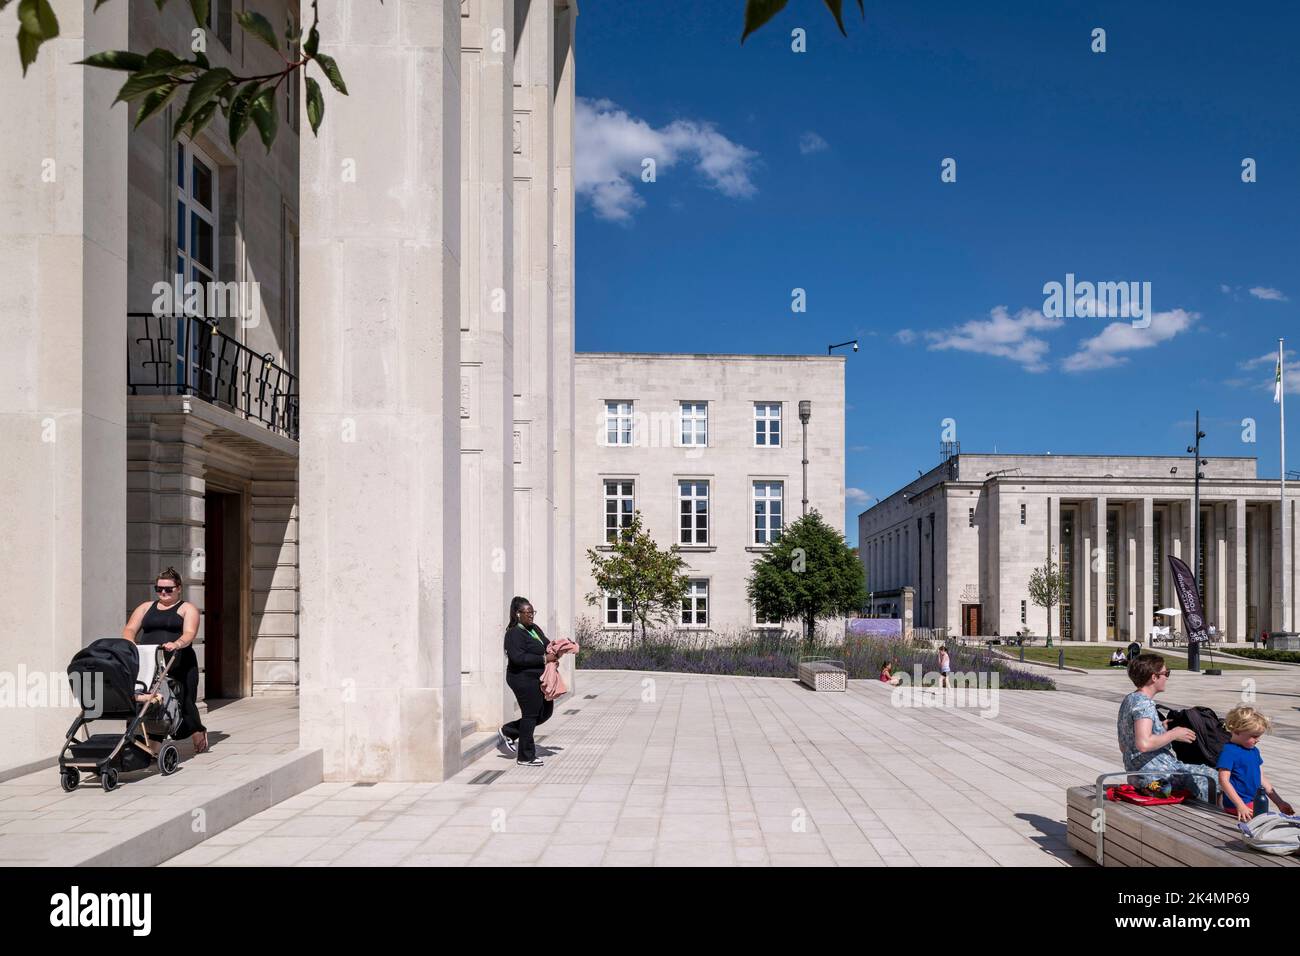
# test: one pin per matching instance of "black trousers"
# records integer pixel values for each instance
(185, 671)
(534, 709)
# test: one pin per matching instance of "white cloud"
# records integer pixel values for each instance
(1002, 334)
(857, 496)
(1225, 289)
(1107, 348)
(1270, 295)
(611, 146)
(906, 336)
(810, 142)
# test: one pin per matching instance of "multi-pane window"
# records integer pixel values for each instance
(695, 423)
(767, 511)
(970, 517)
(618, 423)
(219, 19)
(196, 239)
(761, 620)
(695, 605)
(618, 509)
(767, 423)
(616, 612)
(1024, 612)
(1067, 575)
(1022, 514)
(1157, 562)
(694, 506)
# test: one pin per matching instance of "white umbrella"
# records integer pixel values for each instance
(1169, 611)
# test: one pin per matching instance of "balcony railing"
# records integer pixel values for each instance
(189, 355)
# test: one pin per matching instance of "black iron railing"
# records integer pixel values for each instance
(188, 355)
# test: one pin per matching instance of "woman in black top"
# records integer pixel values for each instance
(527, 653)
(174, 624)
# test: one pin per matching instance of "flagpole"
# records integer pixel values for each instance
(1281, 387)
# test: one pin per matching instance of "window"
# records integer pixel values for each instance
(616, 612)
(970, 518)
(695, 423)
(1022, 514)
(761, 621)
(695, 605)
(1024, 611)
(694, 498)
(618, 509)
(196, 240)
(219, 20)
(618, 423)
(767, 511)
(767, 423)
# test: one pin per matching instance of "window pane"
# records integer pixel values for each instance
(180, 165)
(180, 227)
(202, 189)
(201, 240)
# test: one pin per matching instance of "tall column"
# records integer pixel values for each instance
(1145, 594)
(1235, 620)
(1099, 569)
(487, 354)
(1217, 574)
(1130, 616)
(1083, 603)
(1275, 565)
(63, 303)
(535, 333)
(380, 466)
(1055, 552)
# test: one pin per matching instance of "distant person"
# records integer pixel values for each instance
(1240, 766)
(945, 666)
(1144, 743)
(527, 653)
(1118, 659)
(887, 675)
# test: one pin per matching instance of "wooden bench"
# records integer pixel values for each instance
(1182, 834)
(823, 674)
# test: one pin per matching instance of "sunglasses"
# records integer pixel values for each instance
(164, 590)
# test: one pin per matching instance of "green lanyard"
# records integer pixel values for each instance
(531, 632)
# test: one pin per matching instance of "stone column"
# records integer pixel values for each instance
(1083, 576)
(1099, 569)
(1055, 551)
(1217, 576)
(1129, 615)
(1235, 620)
(273, 586)
(63, 303)
(1275, 565)
(1145, 595)
(487, 354)
(380, 472)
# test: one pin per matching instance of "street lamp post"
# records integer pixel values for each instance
(805, 413)
(1194, 647)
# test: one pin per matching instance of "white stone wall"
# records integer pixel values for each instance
(730, 384)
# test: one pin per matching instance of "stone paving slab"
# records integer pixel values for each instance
(686, 770)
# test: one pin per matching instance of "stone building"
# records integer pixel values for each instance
(360, 460)
(967, 534)
(709, 449)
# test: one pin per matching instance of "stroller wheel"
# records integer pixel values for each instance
(69, 779)
(168, 759)
(108, 780)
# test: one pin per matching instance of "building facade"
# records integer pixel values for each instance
(709, 449)
(967, 535)
(358, 460)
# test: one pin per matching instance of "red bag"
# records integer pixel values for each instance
(1126, 793)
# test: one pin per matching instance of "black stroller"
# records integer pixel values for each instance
(112, 679)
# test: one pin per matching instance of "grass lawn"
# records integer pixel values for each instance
(1097, 658)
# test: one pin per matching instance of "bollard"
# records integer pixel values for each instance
(1060, 659)
(1022, 653)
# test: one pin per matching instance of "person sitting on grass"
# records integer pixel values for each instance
(1118, 659)
(887, 675)
(1240, 766)
(1144, 742)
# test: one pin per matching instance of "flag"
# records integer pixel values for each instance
(1277, 384)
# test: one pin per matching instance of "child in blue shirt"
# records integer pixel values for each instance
(1244, 788)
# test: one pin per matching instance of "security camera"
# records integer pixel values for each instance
(855, 346)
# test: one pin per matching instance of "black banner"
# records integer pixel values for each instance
(1189, 599)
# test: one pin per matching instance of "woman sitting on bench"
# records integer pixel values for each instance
(1143, 740)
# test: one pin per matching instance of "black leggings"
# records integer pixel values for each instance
(534, 709)
(185, 671)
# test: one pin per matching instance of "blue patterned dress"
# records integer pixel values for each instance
(1155, 764)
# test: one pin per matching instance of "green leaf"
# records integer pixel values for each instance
(836, 7)
(202, 118)
(259, 26)
(36, 24)
(201, 9)
(115, 60)
(332, 72)
(138, 85)
(315, 105)
(239, 111)
(313, 41)
(265, 116)
(203, 91)
(154, 102)
(758, 12)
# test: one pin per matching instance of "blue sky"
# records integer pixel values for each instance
(820, 170)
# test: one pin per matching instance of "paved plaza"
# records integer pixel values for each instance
(665, 769)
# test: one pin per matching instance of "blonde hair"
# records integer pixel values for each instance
(1246, 720)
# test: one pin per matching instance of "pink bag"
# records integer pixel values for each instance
(553, 686)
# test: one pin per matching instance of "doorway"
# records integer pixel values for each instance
(970, 620)
(223, 547)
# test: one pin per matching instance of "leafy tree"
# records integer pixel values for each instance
(1045, 591)
(809, 573)
(647, 579)
(758, 12)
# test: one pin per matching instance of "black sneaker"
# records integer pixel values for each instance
(509, 744)
(528, 763)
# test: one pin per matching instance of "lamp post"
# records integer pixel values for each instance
(805, 413)
(840, 345)
(1194, 647)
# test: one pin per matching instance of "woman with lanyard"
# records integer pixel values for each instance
(527, 653)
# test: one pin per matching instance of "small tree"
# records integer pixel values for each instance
(1045, 591)
(648, 580)
(809, 573)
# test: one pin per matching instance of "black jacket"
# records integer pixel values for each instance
(523, 653)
